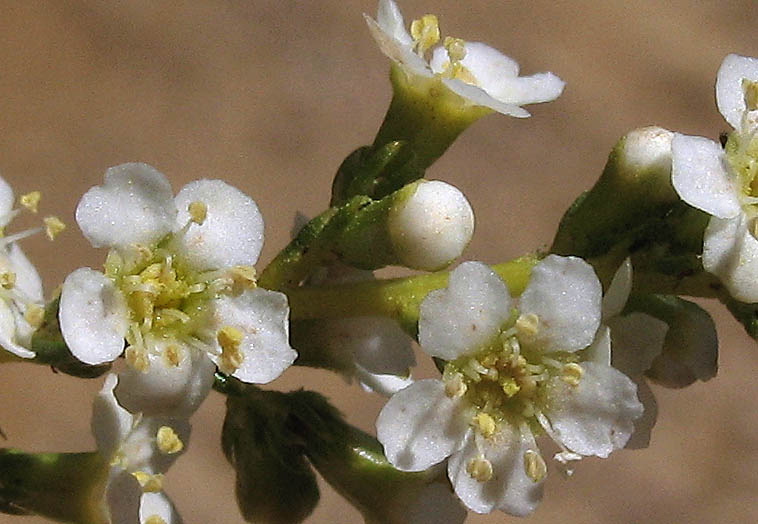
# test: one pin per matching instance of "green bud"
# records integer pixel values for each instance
(61, 486)
(51, 349)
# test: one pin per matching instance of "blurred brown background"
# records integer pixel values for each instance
(271, 95)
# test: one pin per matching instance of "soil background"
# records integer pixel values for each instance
(271, 95)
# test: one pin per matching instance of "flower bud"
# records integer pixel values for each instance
(431, 227)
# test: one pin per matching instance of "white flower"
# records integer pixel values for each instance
(723, 182)
(515, 369)
(179, 286)
(136, 452)
(478, 73)
(21, 296)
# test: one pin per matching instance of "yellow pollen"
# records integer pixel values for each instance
(173, 354)
(480, 469)
(8, 279)
(527, 325)
(53, 227)
(230, 339)
(136, 357)
(750, 89)
(572, 373)
(31, 200)
(168, 441)
(534, 466)
(198, 211)
(155, 519)
(244, 277)
(510, 387)
(425, 32)
(455, 387)
(456, 48)
(485, 424)
(34, 315)
(150, 483)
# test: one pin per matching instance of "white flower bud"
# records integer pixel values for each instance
(432, 227)
(646, 149)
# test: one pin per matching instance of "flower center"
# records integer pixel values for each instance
(425, 33)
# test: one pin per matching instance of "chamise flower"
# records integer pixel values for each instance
(21, 296)
(476, 72)
(515, 369)
(136, 451)
(724, 182)
(179, 286)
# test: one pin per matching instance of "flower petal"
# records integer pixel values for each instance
(637, 339)
(730, 96)
(167, 389)
(618, 290)
(110, 422)
(565, 294)
(730, 252)
(230, 235)
(133, 206)
(600, 349)
(700, 176)
(262, 317)
(122, 497)
(390, 20)
(158, 504)
(510, 489)
(383, 384)
(421, 426)
(93, 316)
(467, 314)
(643, 426)
(8, 333)
(28, 280)
(6, 202)
(394, 40)
(478, 96)
(596, 416)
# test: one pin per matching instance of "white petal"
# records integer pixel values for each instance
(122, 497)
(420, 426)
(6, 202)
(488, 65)
(596, 416)
(643, 426)
(700, 176)
(397, 50)
(478, 96)
(385, 385)
(93, 316)
(730, 96)
(600, 349)
(637, 339)
(432, 227)
(647, 149)
(459, 319)
(110, 422)
(232, 233)
(158, 504)
(390, 20)
(28, 280)
(262, 316)
(618, 291)
(165, 389)
(510, 489)
(565, 294)
(8, 339)
(133, 206)
(730, 252)
(140, 452)
(532, 89)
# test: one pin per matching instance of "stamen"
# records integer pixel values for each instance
(198, 212)
(527, 325)
(31, 200)
(34, 315)
(425, 33)
(8, 280)
(53, 227)
(230, 340)
(456, 48)
(485, 424)
(455, 386)
(750, 89)
(154, 519)
(136, 357)
(173, 355)
(149, 483)
(534, 466)
(168, 441)
(572, 374)
(480, 469)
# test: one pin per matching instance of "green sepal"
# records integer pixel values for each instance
(375, 171)
(690, 349)
(52, 350)
(60, 486)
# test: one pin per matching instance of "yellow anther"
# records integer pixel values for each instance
(510, 387)
(7, 279)
(142, 304)
(53, 227)
(534, 466)
(168, 441)
(150, 483)
(425, 33)
(455, 386)
(34, 315)
(136, 357)
(230, 339)
(198, 211)
(152, 272)
(485, 424)
(154, 519)
(572, 373)
(456, 48)
(31, 200)
(480, 469)
(173, 354)
(527, 325)
(750, 89)
(244, 277)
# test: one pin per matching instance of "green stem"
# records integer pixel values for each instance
(398, 298)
